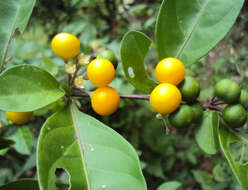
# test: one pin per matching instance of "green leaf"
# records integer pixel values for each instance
(240, 169)
(206, 134)
(94, 155)
(188, 30)
(14, 14)
(5, 143)
(27, 88)
(134, 48)
(24, 140)
(171, 185)
(27, 184)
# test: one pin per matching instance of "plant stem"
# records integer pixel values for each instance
(166, 126)
(123, 96)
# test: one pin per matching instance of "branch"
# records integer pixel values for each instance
(123, 96)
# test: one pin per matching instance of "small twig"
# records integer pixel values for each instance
(219, 103)
(166, 126)
(69, 80)
(123, 96)
(75, 74)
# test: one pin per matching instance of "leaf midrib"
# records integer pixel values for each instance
(192, 30)
(10, 35)
(80, 144)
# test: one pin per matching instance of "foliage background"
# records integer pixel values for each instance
(101, 24)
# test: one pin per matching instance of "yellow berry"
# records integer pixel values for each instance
(170, 70)
(100, 72)
(105, 100)
(65, 45)
(165, 98)
(19, 117)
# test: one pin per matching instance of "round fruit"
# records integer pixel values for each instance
(165, 98)
(183, 117)
(108, 54)
(234, 115)
(65, 45)
(190, 89)
(170, 70)
(244, 98)
(198, 111)
(100, 72)
(228, 91)
(105, 100)
(19, 117)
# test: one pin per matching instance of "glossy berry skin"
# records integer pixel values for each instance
(19, 117)
(183, 117)
(228, 91)
(244, 98)
(170, 70)
(65, 45)
(105, 100)
(100, 72)
(108, 54)
(234, 115)
(165, 98)
(190, 89)
(198, 111)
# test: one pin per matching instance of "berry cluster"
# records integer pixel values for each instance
(105, 100)
(166, 98)
(234, 114)
(100, 71)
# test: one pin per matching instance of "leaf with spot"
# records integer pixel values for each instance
(134, 48)
(94, 155)
(14, 14)
(189, 30)
(26, 88)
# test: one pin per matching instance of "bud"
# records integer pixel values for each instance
(79, 82)
(159, 116)
(85, 60)
(70, 67)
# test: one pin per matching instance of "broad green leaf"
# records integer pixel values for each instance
(94, 155)
(24, 140)
(171, 185)
(14, 14)
(27, 184)
(5, 143)
(134, 48)
(238, 166)
(206, 134)
(27, 88)
(188, 30)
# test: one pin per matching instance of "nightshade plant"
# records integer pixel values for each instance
(93, 155)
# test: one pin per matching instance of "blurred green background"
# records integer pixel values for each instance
(101, 24)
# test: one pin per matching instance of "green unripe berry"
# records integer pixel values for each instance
(228, 91)
(198, 111)
(234, 115)
(244, 98)
(182, 117)
(190, 89)
(108, 54)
